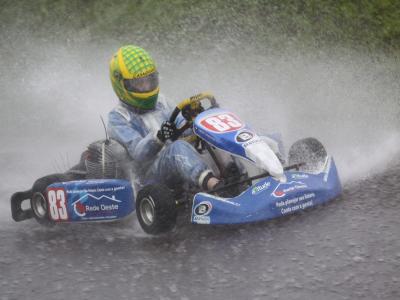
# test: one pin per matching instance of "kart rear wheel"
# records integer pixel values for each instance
(39, 205)
(39, 200)
(309, 151)
(156, 209)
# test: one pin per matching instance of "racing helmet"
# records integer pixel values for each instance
(134, 77)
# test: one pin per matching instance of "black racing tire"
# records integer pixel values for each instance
(156, 209)
(309, 151)
(39, 200)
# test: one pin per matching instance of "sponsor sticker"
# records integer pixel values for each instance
(283, 188)
(92, 205)
(202, 219)
(252, 142)
(260, 188)
(299, 176)
(203, 208)
(244, 136)
(295, 204)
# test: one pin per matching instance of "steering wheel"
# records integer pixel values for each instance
(190, 108)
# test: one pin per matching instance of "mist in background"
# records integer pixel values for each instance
(302, 68)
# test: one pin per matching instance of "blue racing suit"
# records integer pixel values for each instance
(172, 163)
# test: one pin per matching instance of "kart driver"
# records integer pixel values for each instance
(139, 122)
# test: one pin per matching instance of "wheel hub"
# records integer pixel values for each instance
(147, 210)
(39, 205)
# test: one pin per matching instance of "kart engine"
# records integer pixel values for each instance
(105, 159)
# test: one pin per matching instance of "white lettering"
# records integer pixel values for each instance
(201, 219)
(92, 208)
(291, 205)
(260, 188)
(109, 207)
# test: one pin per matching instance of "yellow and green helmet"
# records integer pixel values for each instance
(134, 77)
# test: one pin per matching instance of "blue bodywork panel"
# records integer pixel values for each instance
(268, 198)
(90, 200)
(224, 130)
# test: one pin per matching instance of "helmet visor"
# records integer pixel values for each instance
(142, 85)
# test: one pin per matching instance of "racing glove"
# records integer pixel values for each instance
(167, 131)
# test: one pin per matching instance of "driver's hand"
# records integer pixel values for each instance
(167, 131)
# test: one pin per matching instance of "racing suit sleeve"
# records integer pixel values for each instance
(140, 149)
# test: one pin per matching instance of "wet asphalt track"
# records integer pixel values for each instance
(347, 249)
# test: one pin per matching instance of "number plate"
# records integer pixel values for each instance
(222, 123)
(56, 199)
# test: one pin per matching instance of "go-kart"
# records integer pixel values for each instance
(258, 184)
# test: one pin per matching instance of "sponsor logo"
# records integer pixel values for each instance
(259, 188)
(283, 188)
(87, 204)
(203, 208)
(244, 136)
(202, 219)
(300, 176)
(251, 142)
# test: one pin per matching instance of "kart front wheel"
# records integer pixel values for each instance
(156, 209)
